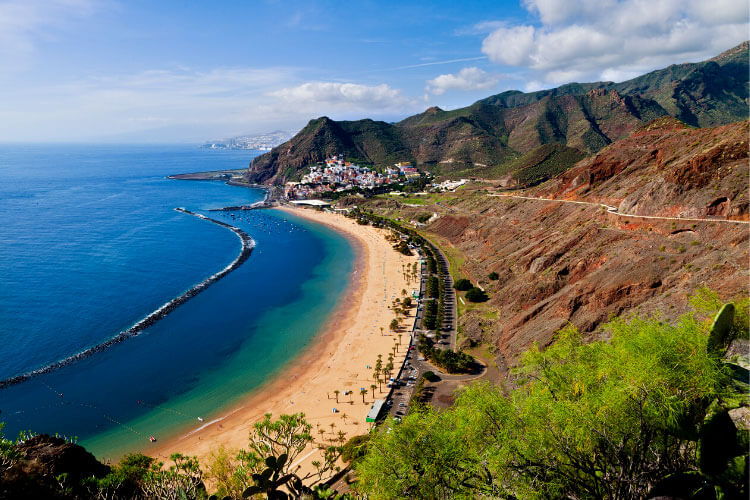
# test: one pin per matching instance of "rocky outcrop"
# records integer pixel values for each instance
(46, 467)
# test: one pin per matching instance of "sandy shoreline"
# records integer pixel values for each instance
(338, 359)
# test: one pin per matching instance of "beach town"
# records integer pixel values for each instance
(336, 174)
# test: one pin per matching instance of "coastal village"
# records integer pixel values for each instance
(335, 174)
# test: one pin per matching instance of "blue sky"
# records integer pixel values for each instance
(164, 71)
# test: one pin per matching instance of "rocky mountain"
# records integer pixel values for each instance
(665, 169)
(567, 259)
(487, 137)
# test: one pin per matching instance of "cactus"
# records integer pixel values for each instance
(720, 328)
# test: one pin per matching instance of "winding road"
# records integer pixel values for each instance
(613, 210)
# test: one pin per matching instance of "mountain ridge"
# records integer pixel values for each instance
(500, 129)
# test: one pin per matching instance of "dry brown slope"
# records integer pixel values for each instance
(563, 263)
(665, 168)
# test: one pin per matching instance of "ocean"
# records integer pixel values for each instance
(90, 243)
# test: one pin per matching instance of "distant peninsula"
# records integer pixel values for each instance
(260, 142)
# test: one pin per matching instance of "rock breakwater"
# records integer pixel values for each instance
(247, 247)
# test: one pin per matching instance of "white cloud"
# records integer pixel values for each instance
(24, 22)
(177, 104)
(592, 39)
(323, 97)
(185, 104)
(511, 46)
(471, 78)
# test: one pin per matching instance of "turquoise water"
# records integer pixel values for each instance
(90, 244)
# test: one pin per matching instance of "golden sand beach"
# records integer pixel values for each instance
(338, 360)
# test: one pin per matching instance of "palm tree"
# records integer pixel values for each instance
(363, 391)
(373, 387)
(336, 392)
(344, 416)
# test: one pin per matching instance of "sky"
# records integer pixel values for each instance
(189, 71)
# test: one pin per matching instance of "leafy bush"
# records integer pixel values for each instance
(493, 276)
(603, 419)
(476, 295)
(355, 449)
(462, 285)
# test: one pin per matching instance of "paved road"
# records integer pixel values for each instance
(447, 331)
(413, 368)
(613, 210)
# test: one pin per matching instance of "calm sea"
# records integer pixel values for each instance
(90, 243)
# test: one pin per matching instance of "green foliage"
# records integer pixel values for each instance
(278, 444)
(403, 248)
(229, 474)
(543, 163)
(429, 321)
(182, 480)
(9, 456)
(586, 420)
(707, 305)
(355, 449)
(424, 217)
(493, 276)
(476, 295)
(447, 359)
(125, 480)
(430, 376)
(433, 286)
(721, 328)
(462, 285)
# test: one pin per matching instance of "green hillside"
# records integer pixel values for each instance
(487, 136)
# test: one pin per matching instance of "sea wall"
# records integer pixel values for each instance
(247, 247)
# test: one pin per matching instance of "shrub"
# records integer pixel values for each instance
(462, 285)
(355, 449)
(476, 295)
(603, 419)
(493, 276)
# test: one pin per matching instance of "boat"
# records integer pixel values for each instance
(200, 419)
(152, 439)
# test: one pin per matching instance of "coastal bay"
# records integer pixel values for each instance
(108, 248)
(340, 358)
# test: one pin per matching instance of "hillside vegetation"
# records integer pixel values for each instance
(644, 414)
(487, 136)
